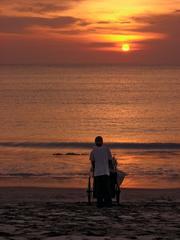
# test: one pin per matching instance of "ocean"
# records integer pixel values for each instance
(50, 116)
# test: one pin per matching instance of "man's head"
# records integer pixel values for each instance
(99, 141)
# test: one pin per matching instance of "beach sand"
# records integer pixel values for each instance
(52, 214)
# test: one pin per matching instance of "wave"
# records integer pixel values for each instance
(86, 145)
(42, 175)
(70, 154)
(171, 175)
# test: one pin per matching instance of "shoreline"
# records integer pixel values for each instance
(65, 195)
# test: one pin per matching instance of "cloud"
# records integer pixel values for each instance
(46, 6)
(160, 23)
(22, 24)
(114, 22)
(103, 22)
(125, 22)
(101, 44)
(164, 50)
(41, 8)
(37, 6)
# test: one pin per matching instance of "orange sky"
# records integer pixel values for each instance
(89, 31)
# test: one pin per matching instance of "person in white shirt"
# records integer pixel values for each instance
(100, 158)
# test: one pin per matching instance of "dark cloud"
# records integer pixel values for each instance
(125, 22)
(101, 44)
(163, 50)
(113, 22)
(103, 22)
(39, 6)
(43, 7)
(69, 31)
(21, 24)
(84, 23)
(162, 23)
(74, 31)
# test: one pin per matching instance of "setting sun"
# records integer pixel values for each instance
(125, 47)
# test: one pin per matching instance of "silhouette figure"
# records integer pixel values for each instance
(101, 159)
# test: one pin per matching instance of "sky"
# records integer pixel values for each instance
(90, 31)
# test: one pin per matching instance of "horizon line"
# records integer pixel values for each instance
(92, 64)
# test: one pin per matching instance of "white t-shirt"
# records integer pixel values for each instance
(101, 156)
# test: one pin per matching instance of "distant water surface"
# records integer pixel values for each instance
(124, 104)
(55, 104)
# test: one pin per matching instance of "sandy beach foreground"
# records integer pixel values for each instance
(41, 213)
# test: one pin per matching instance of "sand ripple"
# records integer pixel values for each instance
(53, 220)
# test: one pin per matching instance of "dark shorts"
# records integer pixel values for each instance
(102, 189)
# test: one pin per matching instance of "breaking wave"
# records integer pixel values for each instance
(85, 145)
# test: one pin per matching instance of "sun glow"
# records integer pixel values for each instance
(125, 47)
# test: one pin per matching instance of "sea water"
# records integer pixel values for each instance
(50, 116)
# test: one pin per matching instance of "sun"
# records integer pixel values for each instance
(125, 47)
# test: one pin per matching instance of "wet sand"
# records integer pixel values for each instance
(41, 213)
